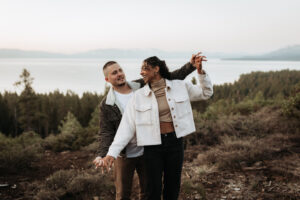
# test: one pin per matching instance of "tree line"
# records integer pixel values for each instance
(43, 113)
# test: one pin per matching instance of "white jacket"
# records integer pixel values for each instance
(141, 114)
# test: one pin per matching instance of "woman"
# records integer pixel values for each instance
(159, 115)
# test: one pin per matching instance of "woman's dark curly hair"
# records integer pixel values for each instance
(163, 69)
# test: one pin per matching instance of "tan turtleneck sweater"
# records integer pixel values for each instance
(163, 108)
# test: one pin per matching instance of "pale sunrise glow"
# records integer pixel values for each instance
(70, 26)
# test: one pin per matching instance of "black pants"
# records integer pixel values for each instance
(165, 161)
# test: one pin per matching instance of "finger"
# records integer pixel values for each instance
(193, 58)
(96, 160)
(198, 54)
(106, 164)
(112, 162)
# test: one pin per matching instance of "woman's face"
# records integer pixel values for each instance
(148, 72)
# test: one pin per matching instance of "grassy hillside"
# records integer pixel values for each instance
(246, 146)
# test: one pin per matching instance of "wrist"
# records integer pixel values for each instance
(192, 64)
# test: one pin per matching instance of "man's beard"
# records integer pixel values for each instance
(121, 84)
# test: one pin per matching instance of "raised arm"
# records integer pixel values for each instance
(200, 92)
(179, 74)
(205, 89)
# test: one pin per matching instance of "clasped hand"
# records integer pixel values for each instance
(104, 163)
(196, 61)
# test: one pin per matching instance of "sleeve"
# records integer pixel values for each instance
(200, 92)
(106, 132)
(125, 131)
(183, 72)
(179, 74)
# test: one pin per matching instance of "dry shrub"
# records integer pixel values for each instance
(60, 142)
(69, 140)
(191, 188)
(18, 153)
(234, 152)
(265, 122)
(86, 185)
(59, 179)
(72, 184)
(45, 194)
(288, 166)
(92, 148)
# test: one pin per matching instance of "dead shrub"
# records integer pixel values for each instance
(193, 188)
(45, 194)
(288, 166)
(72, 184)
(59, 179)
(233, 151)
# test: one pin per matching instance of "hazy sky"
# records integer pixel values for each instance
(70, 26)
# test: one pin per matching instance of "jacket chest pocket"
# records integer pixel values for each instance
(183, 105)
(143, 114)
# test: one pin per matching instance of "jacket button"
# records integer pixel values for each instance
(169, 99)
(172, 108)
(174, 116)
(176, 125)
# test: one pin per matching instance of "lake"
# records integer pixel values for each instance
(82, 75)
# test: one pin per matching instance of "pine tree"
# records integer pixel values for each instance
(94, 122)
(70, 124)
(27, 103)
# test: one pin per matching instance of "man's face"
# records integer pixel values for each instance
(115, 75)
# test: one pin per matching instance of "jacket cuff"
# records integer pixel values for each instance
(202, 76)
(112, 153)
(204, 79)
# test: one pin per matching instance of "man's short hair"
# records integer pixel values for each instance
(109, 63)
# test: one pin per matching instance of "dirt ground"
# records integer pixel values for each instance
(49, 163)
(263, 180)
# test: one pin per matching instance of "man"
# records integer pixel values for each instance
(111, 109)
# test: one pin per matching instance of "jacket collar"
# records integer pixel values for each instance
(111, 97)
(147, 89)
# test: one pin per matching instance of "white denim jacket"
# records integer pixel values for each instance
(141, 114)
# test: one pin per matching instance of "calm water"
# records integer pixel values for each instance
(80, 75)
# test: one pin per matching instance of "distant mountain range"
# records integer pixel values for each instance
(288, 53)
(109, 53)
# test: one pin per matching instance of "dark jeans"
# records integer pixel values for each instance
(124, 171)
(165, 161)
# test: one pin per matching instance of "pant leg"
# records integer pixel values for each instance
(141, 171)
(173, 157)
(124, 171)
(154, 168)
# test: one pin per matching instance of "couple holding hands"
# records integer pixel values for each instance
(143, 122)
